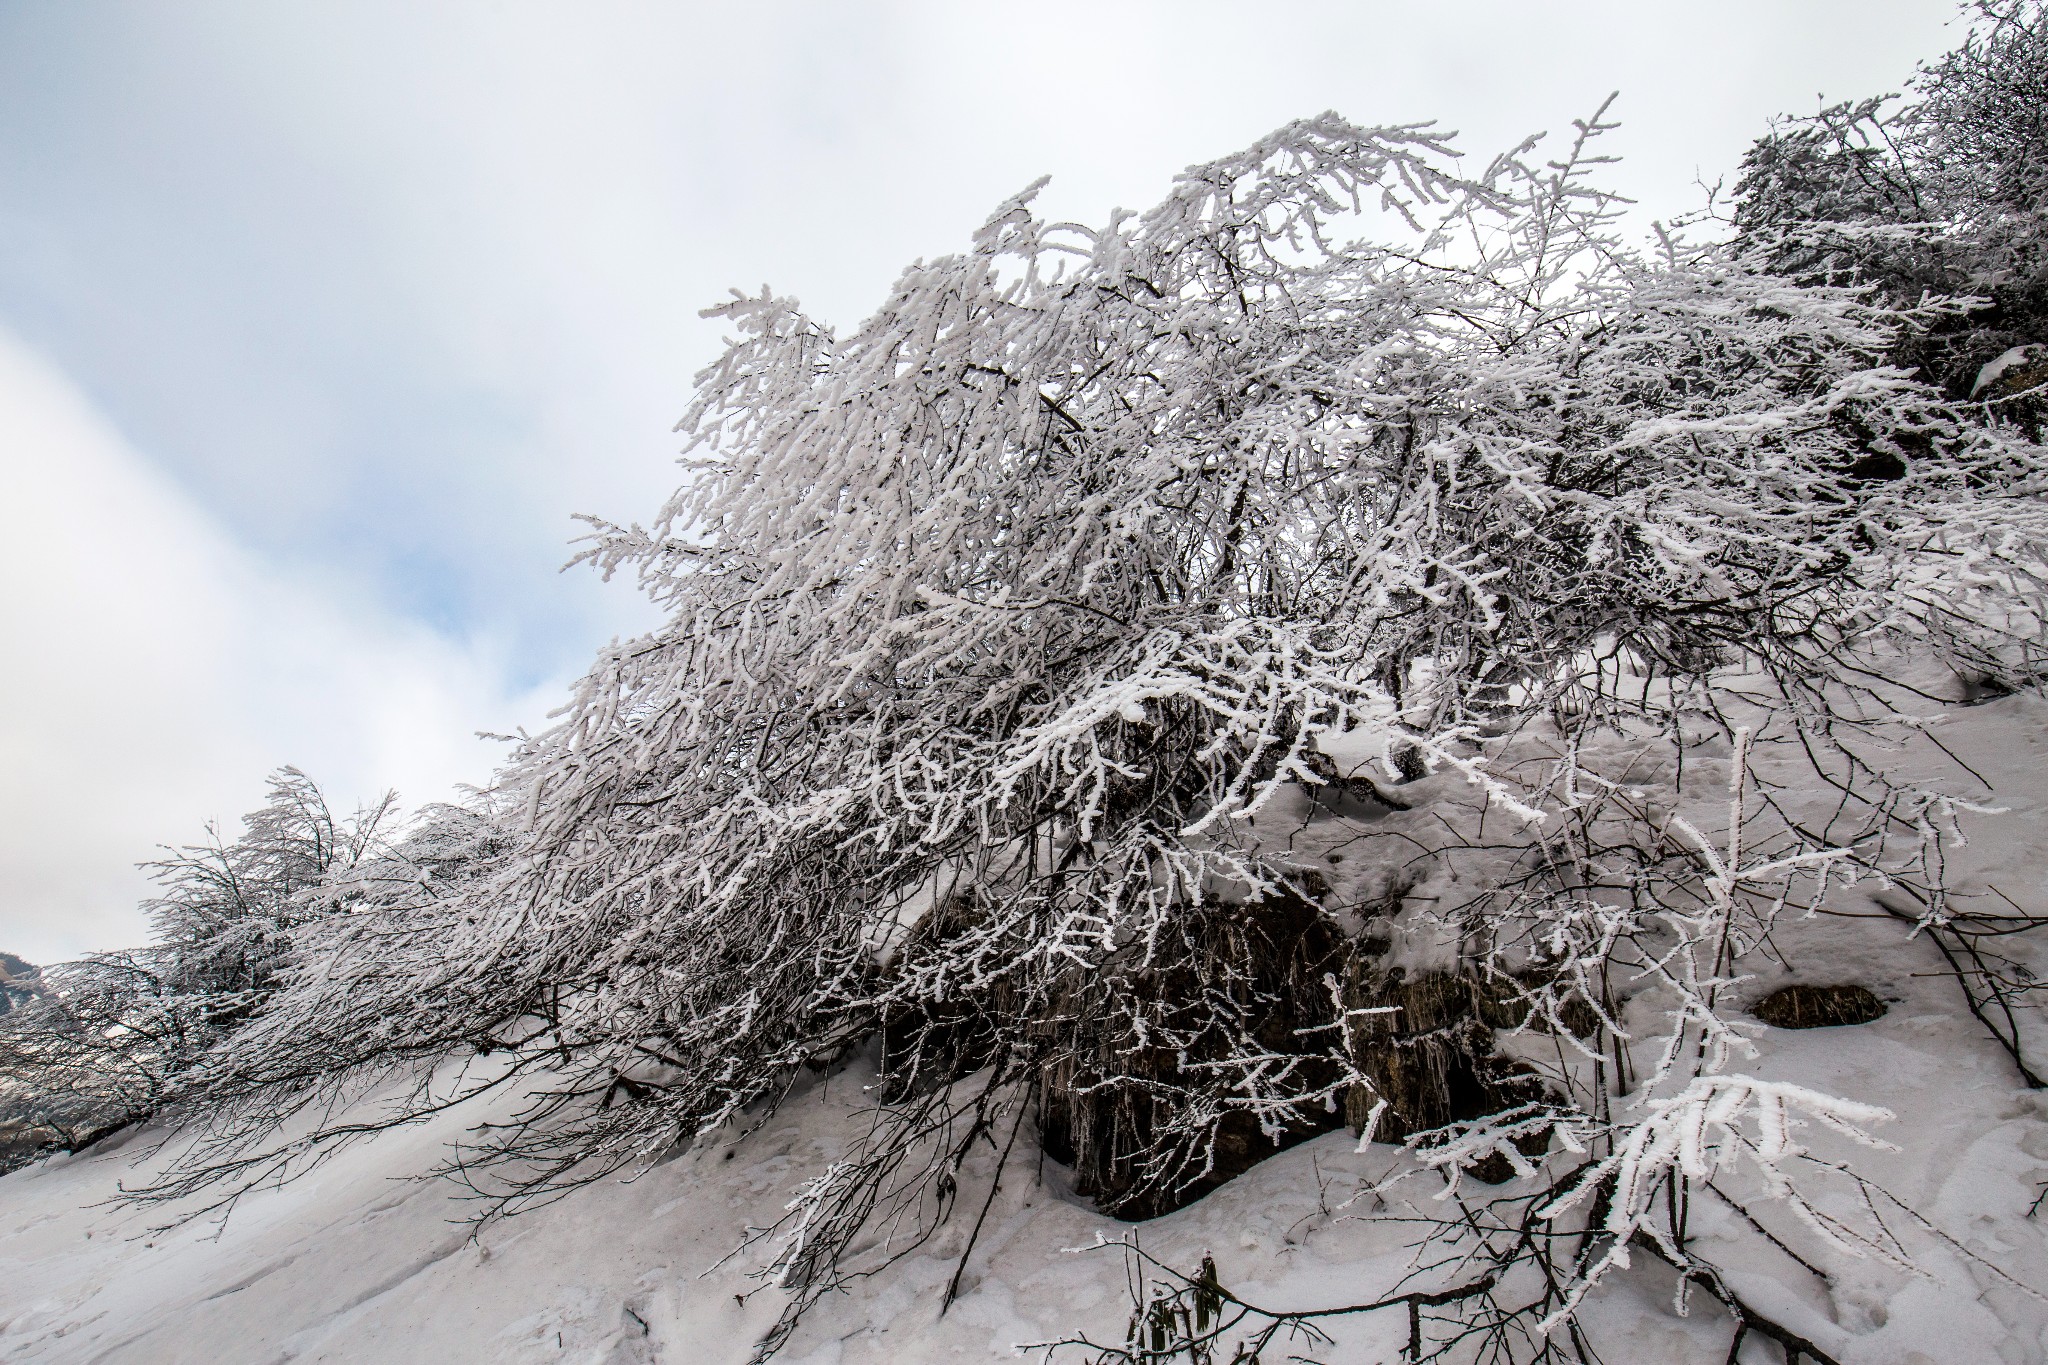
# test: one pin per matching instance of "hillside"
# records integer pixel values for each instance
(360, 1261)
(1207, 788)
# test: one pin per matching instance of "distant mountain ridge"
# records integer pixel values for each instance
(20, 981)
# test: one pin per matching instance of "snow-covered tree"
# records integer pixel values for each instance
(1012, 635)
(116, 1036)
(224, 920)
(1945, 191)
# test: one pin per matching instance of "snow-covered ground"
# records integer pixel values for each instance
(360, 1262)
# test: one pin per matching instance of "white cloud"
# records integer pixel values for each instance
(154, 672)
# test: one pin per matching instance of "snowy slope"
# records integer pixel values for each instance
(357, 1262)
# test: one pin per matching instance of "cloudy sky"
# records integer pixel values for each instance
(318, 320)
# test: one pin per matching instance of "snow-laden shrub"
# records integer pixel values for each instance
(366, 984)
(224, 921)
(1004, 630)
(116, 1036)
(1943, 191)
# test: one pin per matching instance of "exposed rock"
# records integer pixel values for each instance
(2015, 385)
(1803, 1006)
(1433, 1059)
(1108, 1096)
(1128, 1094)
(2015, 371)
